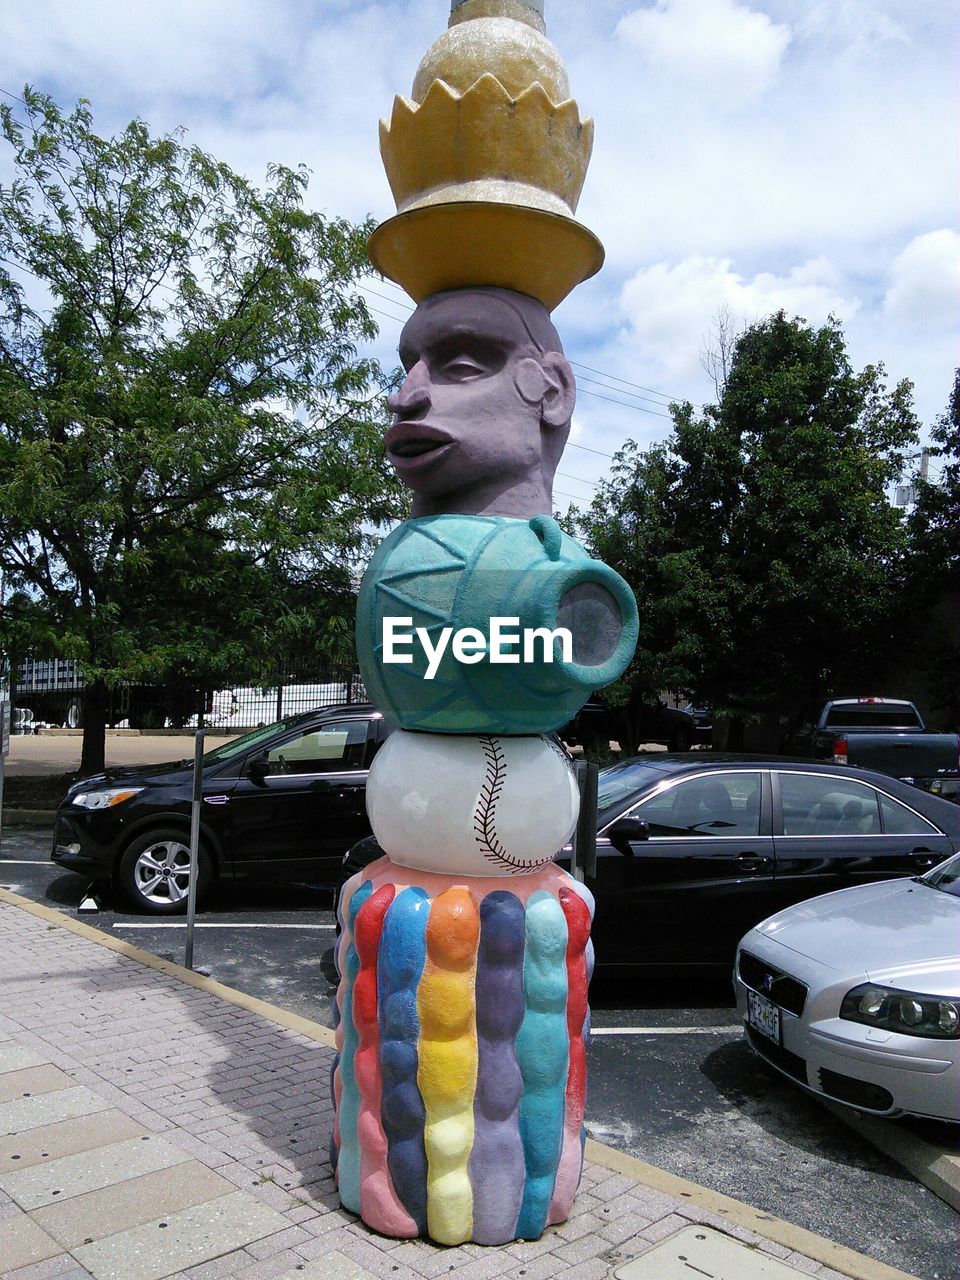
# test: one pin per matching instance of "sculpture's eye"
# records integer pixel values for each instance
(462, 368)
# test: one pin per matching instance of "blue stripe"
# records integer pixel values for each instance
(400, 961)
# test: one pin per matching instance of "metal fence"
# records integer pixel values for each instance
(248, 706)
(49, 692)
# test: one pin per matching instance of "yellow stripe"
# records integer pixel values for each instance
(447, 1071)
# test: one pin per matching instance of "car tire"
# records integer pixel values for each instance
(154, 872)
(681, 740)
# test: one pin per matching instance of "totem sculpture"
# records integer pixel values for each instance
(465, 951)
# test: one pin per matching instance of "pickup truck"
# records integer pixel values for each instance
(886, 734)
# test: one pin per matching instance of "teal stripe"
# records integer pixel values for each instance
(543, 1055)
(348, 1162)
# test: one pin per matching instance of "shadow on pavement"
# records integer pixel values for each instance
(787, 1113)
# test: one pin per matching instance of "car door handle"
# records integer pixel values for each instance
(216, 799)
(923, 858)
(753, 861)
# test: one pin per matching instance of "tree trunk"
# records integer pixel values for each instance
(93, 755)
(727, 733)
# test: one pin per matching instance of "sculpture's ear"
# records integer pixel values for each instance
(560, 395)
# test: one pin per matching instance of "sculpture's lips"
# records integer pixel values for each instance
(413, 444)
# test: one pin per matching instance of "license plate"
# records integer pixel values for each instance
(764, 1016)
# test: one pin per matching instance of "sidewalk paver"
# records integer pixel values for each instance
(132, 1202)
(154, 1124)
(172, 1241)
(89, 1171)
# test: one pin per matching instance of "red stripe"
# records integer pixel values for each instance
(578, 934)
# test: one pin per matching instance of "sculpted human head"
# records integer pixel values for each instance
(482, 416)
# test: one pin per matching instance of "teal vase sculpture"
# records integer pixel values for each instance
(455, 571)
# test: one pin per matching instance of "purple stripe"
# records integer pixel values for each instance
(496, 1164)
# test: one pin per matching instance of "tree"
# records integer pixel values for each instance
(767, 557)
(716, 354)
(636, 524)
(935, 520)
(190, 445)
(933, 588)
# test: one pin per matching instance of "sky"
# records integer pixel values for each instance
(750, 154)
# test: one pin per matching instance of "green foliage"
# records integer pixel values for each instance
(765, 555)
(190, 445)
(935, 520)
(932, 624)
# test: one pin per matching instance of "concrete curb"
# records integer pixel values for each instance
(935, 1168)
(798, 1239)
(29, 817)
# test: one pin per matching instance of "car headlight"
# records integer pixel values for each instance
(908, 1012)
(104, 799)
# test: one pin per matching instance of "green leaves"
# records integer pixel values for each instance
(188, 438)
(767, 559)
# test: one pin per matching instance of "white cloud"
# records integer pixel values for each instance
(718, 49)
(735, 140)
(925, 281)
(857, 24)
(668, 310)
(220, 48)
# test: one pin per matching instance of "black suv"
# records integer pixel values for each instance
(288, 799)
(596, 724)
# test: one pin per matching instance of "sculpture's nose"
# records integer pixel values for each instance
(413, 394)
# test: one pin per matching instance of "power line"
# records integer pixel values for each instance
(626, 404)
(611, 377)
(639, 386)
(572, 444)
(394, 302)
(582, 378)
(377, 312)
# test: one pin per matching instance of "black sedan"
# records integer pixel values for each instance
(693, 850)
(285, 800)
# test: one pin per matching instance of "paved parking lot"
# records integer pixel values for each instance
(671, 1080)
(57, 752)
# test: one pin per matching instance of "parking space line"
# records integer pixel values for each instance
(665, 1031)
(178, 924)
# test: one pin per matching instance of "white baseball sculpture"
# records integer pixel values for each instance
(472, 806)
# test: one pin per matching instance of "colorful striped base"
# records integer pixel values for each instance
(460, 1080)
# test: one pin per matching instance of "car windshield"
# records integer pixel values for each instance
(617, 785)
(236, 746)
(945, 877)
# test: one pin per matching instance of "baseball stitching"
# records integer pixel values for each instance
(485, 814)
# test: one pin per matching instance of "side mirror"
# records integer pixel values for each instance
(626, 830)
(258, 766)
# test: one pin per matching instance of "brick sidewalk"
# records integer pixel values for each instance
(154, 1123)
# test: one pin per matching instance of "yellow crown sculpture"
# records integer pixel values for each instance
(486, 163)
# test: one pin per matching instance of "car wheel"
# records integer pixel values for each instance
(154, 873)
(681, 740)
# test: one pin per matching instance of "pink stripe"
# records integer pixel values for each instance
(380, 1206)
(568, 1171)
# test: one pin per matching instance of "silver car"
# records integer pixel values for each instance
(855, 995)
